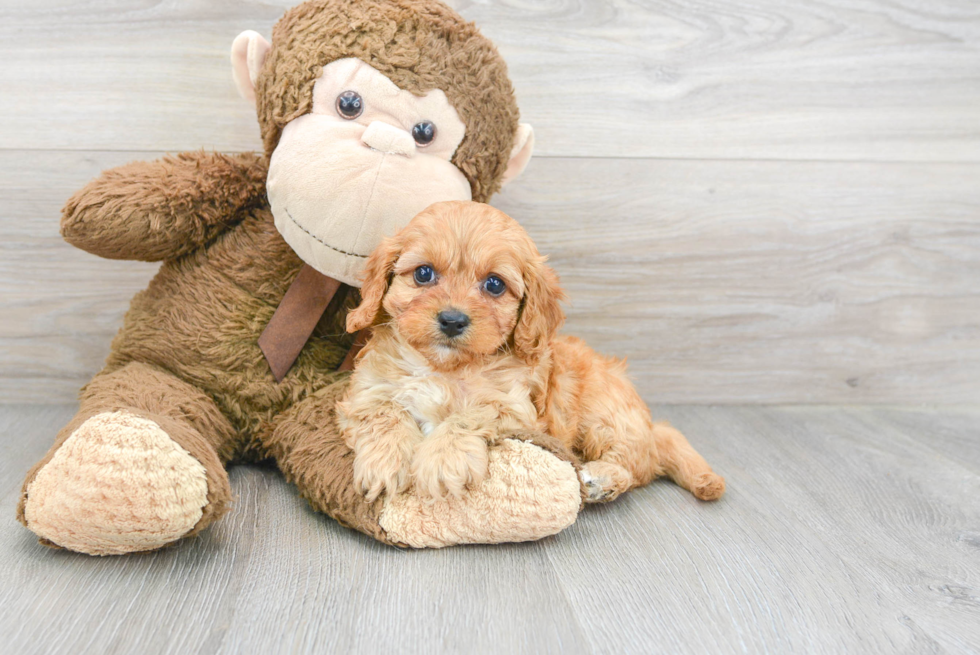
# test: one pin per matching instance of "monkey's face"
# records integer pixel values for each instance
(360, 165)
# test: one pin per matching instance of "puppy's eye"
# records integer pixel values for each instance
(424, 274)
(494, 285)
(350, 105)
(423, 133)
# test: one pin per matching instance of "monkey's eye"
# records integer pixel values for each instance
(424, 274)
(349, 105)
(494, 285)
(424, 132)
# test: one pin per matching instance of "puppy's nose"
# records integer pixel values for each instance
(452, 322)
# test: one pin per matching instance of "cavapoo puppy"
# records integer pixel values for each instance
(463, 350)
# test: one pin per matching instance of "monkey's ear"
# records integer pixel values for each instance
(520, 154)
(380, 266)
(248, 53)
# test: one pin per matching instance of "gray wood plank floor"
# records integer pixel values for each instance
(844, 530)
(758, 201)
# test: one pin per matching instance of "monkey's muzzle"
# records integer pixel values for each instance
(334, 200)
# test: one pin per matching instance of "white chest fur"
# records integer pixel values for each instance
(426, 398)
(430, 397)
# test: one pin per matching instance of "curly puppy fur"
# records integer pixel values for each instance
(424, 403)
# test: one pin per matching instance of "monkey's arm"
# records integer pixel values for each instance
(163, 209)
(532, 488)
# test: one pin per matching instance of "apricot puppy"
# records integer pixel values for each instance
(463, 351)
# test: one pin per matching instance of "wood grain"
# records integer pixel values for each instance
(769, 282)
(61, 306)
(844, 530)
(756, 202)
(892, 503)
(721, 281)
(786, 79)
(956, 436)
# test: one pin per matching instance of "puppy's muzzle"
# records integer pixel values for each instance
(452, 323)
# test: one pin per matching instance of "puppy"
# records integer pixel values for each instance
(463, 351)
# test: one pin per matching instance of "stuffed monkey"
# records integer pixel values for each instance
(370, 110)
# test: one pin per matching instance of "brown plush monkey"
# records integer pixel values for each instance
(369, 110)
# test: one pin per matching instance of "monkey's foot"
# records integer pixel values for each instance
(528, 493)
(118, 484)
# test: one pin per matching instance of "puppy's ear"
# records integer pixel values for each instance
(540, 315)
(377, 273)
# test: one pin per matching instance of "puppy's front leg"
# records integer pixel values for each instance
(383, 438)
(454, 455)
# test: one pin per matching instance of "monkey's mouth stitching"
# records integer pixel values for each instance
(342, 252)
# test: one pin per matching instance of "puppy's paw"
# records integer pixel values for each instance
(593, 486)
(708, 486)
(380, 466)
(604, 481)
(449, 466)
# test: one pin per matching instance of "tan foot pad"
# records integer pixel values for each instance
(119, 484)
(528, 494)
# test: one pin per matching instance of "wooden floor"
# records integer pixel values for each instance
(844, 530)
(757, 201)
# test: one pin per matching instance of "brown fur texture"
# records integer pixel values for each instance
(152, 211)
(186, 357)
(186, 414)
(424, 403)
(420, 45)
(312, 454)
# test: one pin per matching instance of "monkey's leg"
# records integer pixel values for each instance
(139, 466)
(531, 489)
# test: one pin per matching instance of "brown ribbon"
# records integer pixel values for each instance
(359, 340)
(296, 318)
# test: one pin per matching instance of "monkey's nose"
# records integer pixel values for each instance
(452, 322)
(388, 139)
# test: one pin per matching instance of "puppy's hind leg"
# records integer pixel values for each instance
(684, 465)
(622, 447)
(617, 458)
(631, 454)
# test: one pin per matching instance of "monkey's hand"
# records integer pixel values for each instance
(163, 209)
